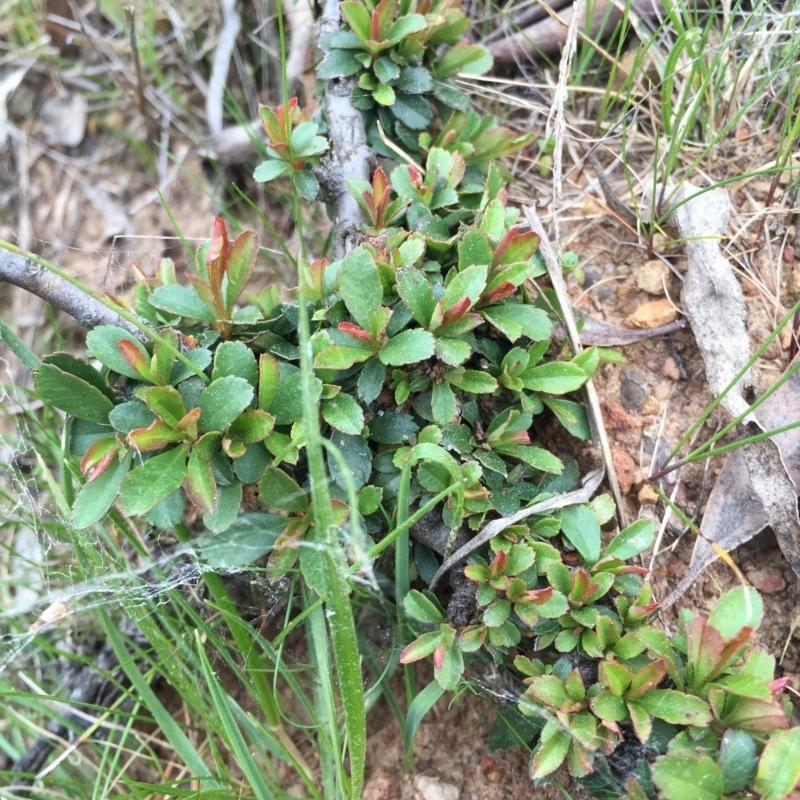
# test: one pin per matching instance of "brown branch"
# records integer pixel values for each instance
(350, 155)
(35, 278)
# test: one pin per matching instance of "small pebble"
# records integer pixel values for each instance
(633, 389)
(653, 314)
(652, 276)
(432, 788)
(625, 467)
(768, 580)
(647, 495)
(670, 369)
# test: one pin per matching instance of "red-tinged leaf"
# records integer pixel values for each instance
(233, 446)
(136, 357)
(286, 550)
(502, 245)
(98, 457)
(217, 260)
(580, 583)
(647, 678)
(539, 596)
(779, 767)
(351, 329)
(642, 722)
(438, 655)
(505, 289)
(420, 648)
(754, 715)
(731, 649)
(240, 265)
(200, 485)
(705, 645)
(552, 750)
(519, 247)
(188, 424)
(455, 312)
(155, 436)
(252, 426)
(164, 401)
(269, 377)
(614, 677)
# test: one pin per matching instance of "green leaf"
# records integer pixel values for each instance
(72, 394)
(370, 380)
(341, 357)
(182, 301)
(248, 539)
(416, 293)
(414, 80)
(358, 18)
(421, 647)
(423, 607)
(383, 95)
(515, 320)
(102, 342)
(305, 141)
(610, 707)
(222, 401)
(571, 415)
(473, 249)
(252, 425)
(237, 359)
(468, 283)
(471, 380)
(148, 484)
(413, 111)
(551, 752)
(360, 287)
(779, 765)
(337, 64)
(165, 402)
(580, 528)
(229, 503)
(369, 499)
(279, 491)
(130, 415)
(452, 351)
(405, 26)
(471, 59)
(81, 369)
(443, 403)
(741, 606)
(288, 405)
(96, 497)
(680, 777)
(556, 377)
(496, 614)
(738, 760)
(343, 413)
(385, 69)
(407, 347)
(306, 184)
(392, 428)
(676, 707)
(635, 539)
(270, 169)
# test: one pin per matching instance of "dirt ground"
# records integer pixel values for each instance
(92, 209)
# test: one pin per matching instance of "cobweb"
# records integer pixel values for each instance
(47, 600)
